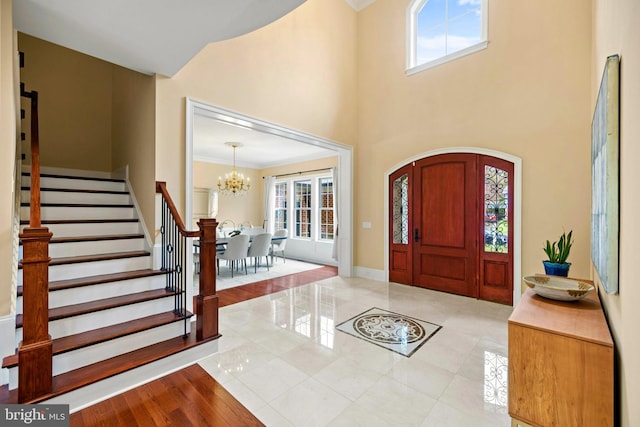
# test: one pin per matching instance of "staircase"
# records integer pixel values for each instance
(109, 310)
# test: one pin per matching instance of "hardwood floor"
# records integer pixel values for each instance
(190, 397)
(266, 287)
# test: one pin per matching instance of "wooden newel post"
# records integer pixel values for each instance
(207, 300)
(35, 350)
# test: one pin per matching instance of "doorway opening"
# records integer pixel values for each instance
(344, 240)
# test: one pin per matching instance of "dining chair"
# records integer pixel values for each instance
(260, 248)
(279, 245)
(237, 248)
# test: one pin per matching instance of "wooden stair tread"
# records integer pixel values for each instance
(90, 374)
(77, 239)
(96, 336)
(92, 258)
(96, 238)
(75, 190)
(102, 304)
(99, 279)
(81, 178)
(80, 221)
(81, 205)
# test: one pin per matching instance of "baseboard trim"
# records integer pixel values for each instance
(369, 273)
(7, 335)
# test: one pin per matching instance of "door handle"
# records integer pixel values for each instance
(416, 235)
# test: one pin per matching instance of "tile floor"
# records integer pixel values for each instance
(282, 358)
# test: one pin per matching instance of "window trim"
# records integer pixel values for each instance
(285, 209)
(315, 231)
(411, 55)
(320, 209)
(295, 209)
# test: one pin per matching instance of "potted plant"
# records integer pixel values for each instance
(558, 252)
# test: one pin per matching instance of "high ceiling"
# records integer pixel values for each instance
(150, 36)
(161, 36)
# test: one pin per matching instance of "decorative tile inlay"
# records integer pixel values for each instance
(396, 332)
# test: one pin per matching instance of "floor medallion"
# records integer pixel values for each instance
(396, 332)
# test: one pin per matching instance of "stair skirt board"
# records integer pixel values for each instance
(81, 294)
(85, 269)
(94, 393)
(98, 319)
(51, 196)
(92, 228)
(75, 359)
(93, 212)
(70, 183)
(61, 250)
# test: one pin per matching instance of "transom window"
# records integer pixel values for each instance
(442, 30)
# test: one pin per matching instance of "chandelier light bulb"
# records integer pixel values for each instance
(234, 182)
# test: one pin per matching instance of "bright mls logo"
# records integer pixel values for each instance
(34, 415)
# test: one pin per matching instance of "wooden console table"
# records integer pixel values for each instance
(560, 363)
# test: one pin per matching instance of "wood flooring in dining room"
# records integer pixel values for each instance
(190, 397)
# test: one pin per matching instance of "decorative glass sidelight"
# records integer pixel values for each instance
(496, 203)
(401, 210)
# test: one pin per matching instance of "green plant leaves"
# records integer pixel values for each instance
(558, 252)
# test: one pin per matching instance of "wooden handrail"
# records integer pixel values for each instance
(161, 188)
(206, 302)
(34, 214)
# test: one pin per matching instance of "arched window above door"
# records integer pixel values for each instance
(439, 31)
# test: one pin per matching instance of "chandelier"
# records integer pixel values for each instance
(234, 182)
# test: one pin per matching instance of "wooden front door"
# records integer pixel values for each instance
(445, 223)
(451, 225)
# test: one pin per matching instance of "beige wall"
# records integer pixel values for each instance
(133, 131)
(247, 208)
(8, 142)
(74, 105)
(616, 30)
(298, 72)
(527, 94)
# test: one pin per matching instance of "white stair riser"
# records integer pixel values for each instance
(84, 269)
(72, 197)
(81, 184)
(100, 291)
(92, 229)
(63, 212)
(98, 319)
(60, 250)
(85, 356)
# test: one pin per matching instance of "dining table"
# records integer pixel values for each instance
(222, 241)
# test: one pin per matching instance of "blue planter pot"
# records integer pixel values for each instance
(553, 269)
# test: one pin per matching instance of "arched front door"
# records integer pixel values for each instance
(451, 225)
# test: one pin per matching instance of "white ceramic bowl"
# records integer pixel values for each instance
(559, 288)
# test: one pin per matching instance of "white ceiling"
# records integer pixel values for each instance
(150, 36)
(259, 150)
